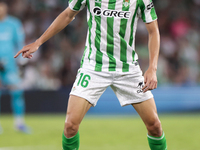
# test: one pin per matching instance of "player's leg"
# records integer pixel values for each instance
(76, 110)
(18, 108)
(12, 80)
(128, 88)
(87, 88)
(148, 112)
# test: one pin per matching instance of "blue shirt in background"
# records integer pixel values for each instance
(11, 41)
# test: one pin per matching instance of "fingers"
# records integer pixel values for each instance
(30, 56)
(23, 50)
(26, 54)
(150, 80)
(26, 51)
(149, 85)
(145, 87)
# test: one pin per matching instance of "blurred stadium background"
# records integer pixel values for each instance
(48, 77)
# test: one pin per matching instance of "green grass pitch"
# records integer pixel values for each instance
(101, 133)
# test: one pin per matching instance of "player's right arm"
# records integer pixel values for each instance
(59, 23)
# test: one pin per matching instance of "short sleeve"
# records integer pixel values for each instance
(77, 5)
(147, 11)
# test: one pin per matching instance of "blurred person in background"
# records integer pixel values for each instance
(11, 40)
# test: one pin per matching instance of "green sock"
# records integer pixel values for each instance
(157, 143)
(70, 143)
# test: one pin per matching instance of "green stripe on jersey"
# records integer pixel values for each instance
(142, 7)
(99, 54)
(132, 25)
(153, 14)
(78, 5)
(110, 37)
(133, 55)
(123, 44)
(90, 27)
(82, 60)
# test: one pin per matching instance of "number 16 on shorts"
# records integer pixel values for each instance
(83, 80)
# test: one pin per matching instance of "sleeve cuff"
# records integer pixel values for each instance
(149, 21)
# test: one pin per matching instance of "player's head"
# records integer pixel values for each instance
(3, 10)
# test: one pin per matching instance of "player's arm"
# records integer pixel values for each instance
(150, 78)
(59, 23)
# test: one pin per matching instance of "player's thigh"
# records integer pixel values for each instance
(87, 88)
(90, 85)
(128, 88)
(147, 111)
(76, 109)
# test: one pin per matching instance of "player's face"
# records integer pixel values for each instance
(3, 10)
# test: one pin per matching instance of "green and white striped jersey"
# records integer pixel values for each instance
(110, 44)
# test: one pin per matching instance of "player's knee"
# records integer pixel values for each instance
(155, 128)
(70, 129)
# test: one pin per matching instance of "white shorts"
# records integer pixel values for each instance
(127, 86)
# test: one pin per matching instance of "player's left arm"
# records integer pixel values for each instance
(150, 77)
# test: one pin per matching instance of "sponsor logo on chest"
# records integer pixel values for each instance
(111, 13)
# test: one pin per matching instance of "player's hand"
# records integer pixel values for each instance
(27, 50)
(150, 80)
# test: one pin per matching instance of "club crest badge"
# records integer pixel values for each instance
(126, 3)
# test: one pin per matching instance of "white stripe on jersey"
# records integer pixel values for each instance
(128, 32)
(103, 44)
(92, 38)
(116, 28)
